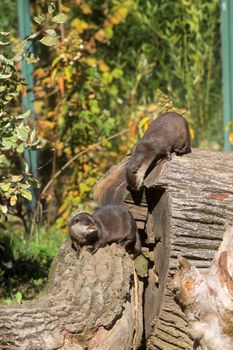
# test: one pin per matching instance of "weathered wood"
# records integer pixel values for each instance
(200, 190)
(95, 302)
(207, 298)
(189, 200)
(90, 300)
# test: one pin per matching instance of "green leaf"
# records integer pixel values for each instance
(5, 33)
(26, 168)
(51, 32)
(8, 301)
(60, 18)
(26, 194)
(3, 209)
(18, 297)
(8, 143)
(32, 136)
(32, 36)
(5, 76)
(49, 40)
(4, 43)
(32, 59)
(33, 182)
(22, 133)
(6, 61)
(2, 158)
(2, 88)
(20, 148)
(51, 8)
(13, 200)
(5, 186)
(24, 115)
(16, 178)
(39, 19)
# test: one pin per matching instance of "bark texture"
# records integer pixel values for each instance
(98, 301)
(89, 300)
(183, 210)
(207, 298)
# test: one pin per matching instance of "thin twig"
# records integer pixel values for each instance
(65, 166)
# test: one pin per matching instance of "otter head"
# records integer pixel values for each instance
(83, 229)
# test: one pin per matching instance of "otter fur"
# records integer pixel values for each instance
(111, 223)
(167, 134)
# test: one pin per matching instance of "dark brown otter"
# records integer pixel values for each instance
(166, 134)
(111, 223)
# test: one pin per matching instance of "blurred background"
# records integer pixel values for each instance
(114, 66)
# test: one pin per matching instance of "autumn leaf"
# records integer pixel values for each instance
(231, 138)
(79, 25)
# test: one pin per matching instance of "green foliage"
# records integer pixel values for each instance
(26, 262)
(15, 134)
(178, 44)
(108, 67)
(8, 10)
(85, 92)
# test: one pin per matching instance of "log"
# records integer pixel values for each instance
(89, 301)
(99, 301)
(188, 200)
(208, 298)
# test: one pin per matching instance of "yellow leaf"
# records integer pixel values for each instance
(86, 9)
(119, 15)
(13, 200)
(153, 107)
(46, 124)
(91, 61)
(103, 67)
(68, 73)
(65, 9)
(231, 138)
(192, 133)
(83, 188)
(85, 168)
(144, 123)
(100, 35)
(79, 25)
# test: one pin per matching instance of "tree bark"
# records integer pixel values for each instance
(183, 209)
(98, 301)
(89, 301)
(207, 298)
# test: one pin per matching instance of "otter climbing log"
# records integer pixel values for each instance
(99, 301)
(182, 210)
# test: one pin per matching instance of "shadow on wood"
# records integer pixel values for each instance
(97, 301)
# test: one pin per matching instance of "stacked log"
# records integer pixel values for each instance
(99, 301)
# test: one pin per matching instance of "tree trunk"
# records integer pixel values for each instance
(183, 209)
(98, 301)
(89, 301)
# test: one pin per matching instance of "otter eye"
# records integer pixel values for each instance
(76, 220)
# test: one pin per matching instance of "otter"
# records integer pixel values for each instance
(167, 134)
(111, 223)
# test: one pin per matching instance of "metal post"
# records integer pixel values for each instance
(28, 98)
(227, 62)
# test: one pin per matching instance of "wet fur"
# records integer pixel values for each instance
(111, 223)
(167, 134)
